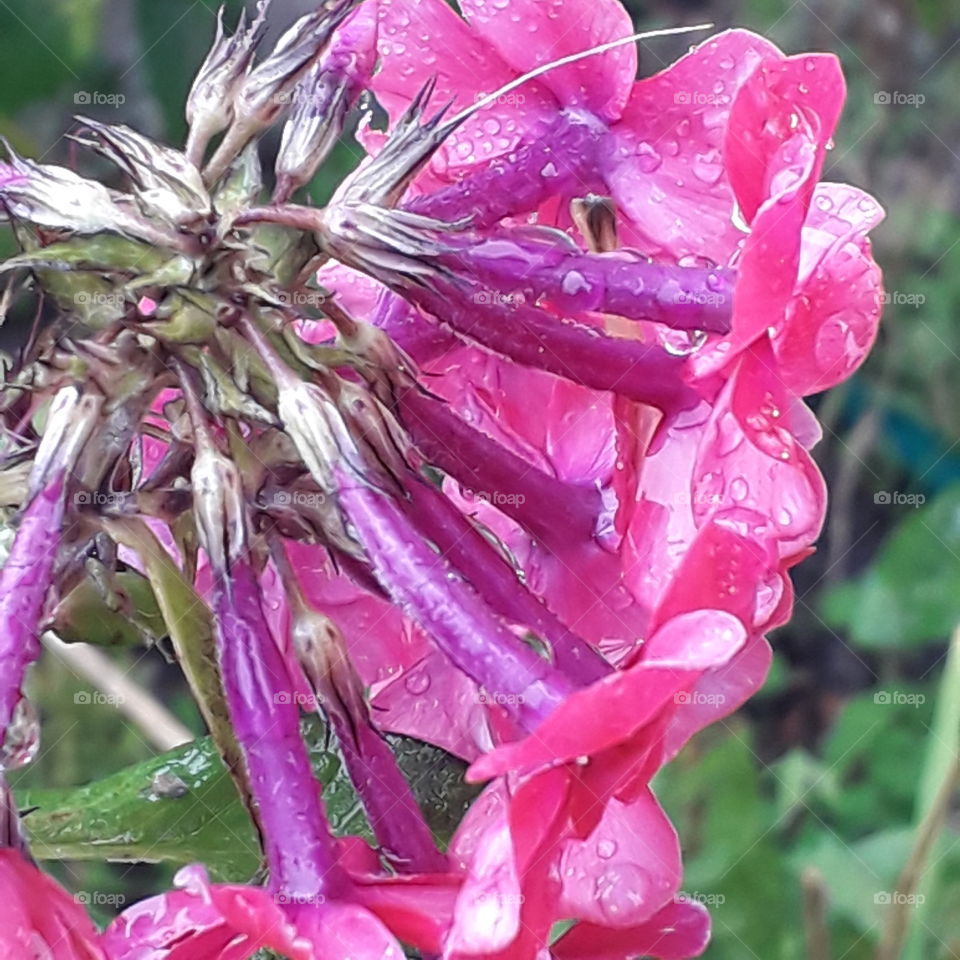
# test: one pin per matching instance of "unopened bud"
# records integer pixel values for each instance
(323, 99)
(392, 246)
(167, 182)
(210, 102)
(309, 418)
(267, 90)
(70, 420)
(56, 197)
(218, 508)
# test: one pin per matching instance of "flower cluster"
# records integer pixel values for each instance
(504, 449)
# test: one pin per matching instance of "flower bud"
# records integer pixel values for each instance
(268, 89)
(218, 508)
(57, 198)
(210, 101)
(167, 183)
(323, 99)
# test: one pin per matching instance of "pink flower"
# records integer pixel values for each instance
(39, 918)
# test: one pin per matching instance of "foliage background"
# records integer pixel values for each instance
(823, 782)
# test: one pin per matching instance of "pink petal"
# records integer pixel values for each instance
(833, 321)
(664, 164)
(680, 930)
(611, 710)
(39, 918)
(628, 867)
(415, 40)
(750, 466)
(784, 97)
(529, 33)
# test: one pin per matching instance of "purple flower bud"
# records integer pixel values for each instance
(24, 583)
(554, 511)
(391, 807)
(424, 584)
(562, 161)
(496, 582)
(323, 99)
(297, 842)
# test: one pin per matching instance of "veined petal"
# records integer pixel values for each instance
(415, 39)
(664, 160)
(529, 33)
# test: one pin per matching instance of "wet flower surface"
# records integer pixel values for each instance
(505, 449)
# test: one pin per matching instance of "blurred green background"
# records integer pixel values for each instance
(822, 821)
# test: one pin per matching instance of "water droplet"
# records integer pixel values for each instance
(575, 282)
(606, 849)
(417, 683)
(739, 489)
(647, 158)
(708, 167)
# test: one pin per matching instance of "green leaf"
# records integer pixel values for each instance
(181, 807)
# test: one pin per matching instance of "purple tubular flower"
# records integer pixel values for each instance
(554, 511)
(299, 848)
(411, 331)
(546, 264)
(497, 583)
(24, 582)
(562, 161)
(394, 814)
(644, 372)
(428, 588)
